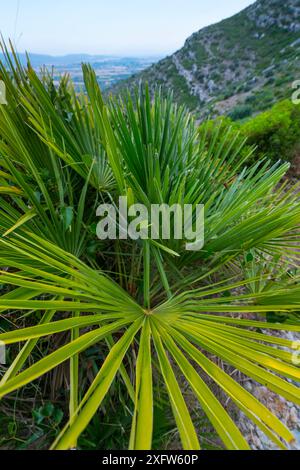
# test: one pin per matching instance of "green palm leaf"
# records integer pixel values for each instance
(150, 307)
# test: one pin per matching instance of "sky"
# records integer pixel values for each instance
(117, 27)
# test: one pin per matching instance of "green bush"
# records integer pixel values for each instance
(251, 99)
(275, 132)
(240, 112)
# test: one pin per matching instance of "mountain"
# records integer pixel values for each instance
(241, 65)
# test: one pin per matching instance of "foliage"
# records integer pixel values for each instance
(275, 132)
(255, 51)
(240, 112)
(153, 310)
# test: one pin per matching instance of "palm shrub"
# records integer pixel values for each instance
(160, 310)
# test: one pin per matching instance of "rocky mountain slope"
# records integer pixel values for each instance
(242, 64)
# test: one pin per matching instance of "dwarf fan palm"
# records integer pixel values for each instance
(153, 301)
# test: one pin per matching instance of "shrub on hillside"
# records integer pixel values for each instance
(275, 132)
(240, 112)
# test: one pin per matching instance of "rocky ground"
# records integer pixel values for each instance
(287, 412)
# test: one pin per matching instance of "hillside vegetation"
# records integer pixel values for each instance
(249, 60)
(275, 133)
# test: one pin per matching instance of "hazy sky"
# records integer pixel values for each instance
(136, 27)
